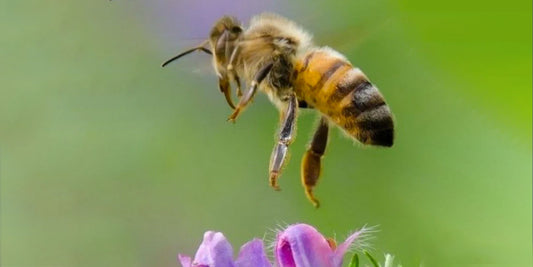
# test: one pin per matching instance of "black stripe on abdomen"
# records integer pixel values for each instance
(375, 119)
(326, 75)
(346, 87)
(364, 96)
(376, 126)
(306, 61)
(371, 117)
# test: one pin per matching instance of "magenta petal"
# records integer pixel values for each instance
(284, 254)
(184, 260)
(215, 251)
(303, 246)
(342, 248)
(252, 254)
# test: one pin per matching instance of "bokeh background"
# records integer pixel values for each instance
(107, 159)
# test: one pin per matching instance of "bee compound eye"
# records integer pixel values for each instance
(236, 29)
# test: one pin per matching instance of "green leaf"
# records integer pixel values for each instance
(374, 262)
(355, 261)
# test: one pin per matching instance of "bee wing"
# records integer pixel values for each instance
(196, 67)
(351, 37)
(345, 37)
(203, 69)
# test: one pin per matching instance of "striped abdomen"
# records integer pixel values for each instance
(330, 84)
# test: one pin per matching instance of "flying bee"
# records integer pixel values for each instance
(276, 56)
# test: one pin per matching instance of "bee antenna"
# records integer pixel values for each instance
(200, 47)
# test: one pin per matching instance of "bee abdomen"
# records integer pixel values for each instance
(344, 94)
(364, 113)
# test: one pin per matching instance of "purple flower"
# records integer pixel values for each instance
(216, 251)
(301, 245)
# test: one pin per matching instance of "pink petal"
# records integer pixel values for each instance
(215, 251)
(252, 254)
(302, 245)
(342, 248)
(184, 260)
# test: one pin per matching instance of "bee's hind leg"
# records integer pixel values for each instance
(259, 77)
(311, 165)
(286, 135)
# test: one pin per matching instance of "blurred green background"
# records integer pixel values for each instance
(109, 160)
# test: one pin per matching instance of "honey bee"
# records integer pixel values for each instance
(276, 56)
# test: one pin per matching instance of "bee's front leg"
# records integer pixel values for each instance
(286, 135)
(224, 85)
(259, 77)
(233, 76)
(311, 165)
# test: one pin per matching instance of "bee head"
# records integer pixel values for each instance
(223, 36)
(222, 40)
(226, 28)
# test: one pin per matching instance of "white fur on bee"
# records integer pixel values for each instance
(285, 26)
